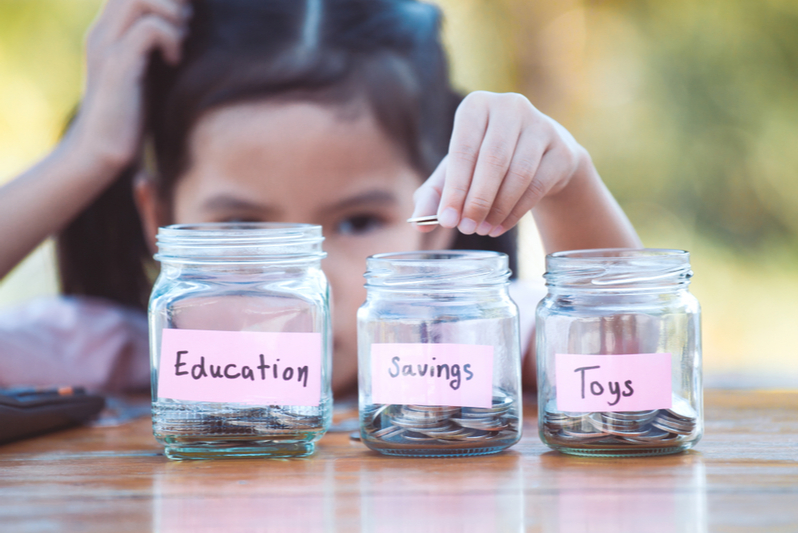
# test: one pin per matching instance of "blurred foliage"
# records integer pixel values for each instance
(689, 108)
(41, 70)
(721, 78)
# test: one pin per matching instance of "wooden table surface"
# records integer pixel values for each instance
(741, 477)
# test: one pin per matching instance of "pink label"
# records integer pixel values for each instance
(432, 374)
(250, 367)
(613, 383)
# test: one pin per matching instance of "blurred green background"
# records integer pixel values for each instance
(688, 107)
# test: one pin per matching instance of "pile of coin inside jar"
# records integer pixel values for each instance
(273, 422)
(654, 428)
(442, 426)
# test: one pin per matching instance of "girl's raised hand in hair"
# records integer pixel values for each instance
(105, 136)
(507, 158)
(109, 124)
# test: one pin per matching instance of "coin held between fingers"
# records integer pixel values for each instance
(427, 220)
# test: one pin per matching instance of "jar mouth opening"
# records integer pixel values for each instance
(615, 254)
(238, 230)
(615, 269)
(428, 256)
(437, 269)
(239, 241)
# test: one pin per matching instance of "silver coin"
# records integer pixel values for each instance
(659, 427)
(385, 433)
(373, 415)
(441, 425)
(651, 437)
(632, 415)
(451, 435)
(674, 422)
(419, 439)
(583, 435)
(629, 418)
(428, 220)
(615, 430)
(682, 409)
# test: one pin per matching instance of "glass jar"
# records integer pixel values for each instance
(439, 355)
(240, 340)
(618, 354)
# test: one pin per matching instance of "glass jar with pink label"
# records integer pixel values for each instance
(439, 355)
(240, 341)
(618, 354)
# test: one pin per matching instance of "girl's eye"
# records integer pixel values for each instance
(358, 224)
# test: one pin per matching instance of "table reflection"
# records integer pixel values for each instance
(513, 491)
(223, 496)
(424, 495)
(590, 495)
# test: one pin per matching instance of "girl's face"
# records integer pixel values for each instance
(311, 163)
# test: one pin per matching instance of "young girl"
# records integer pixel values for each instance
(330, 112)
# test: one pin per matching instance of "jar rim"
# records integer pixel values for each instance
(422, 256)
(239, 242)
(244, 229)
(614, 254)
(437, 269)
(618, 269)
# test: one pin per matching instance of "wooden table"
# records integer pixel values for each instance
(742, 477)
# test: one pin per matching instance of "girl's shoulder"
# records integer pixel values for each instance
(68, 340)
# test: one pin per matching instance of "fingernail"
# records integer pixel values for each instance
(496, 232)
(484, 228)
(467, 226)
(448, 218)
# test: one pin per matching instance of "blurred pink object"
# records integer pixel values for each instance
(74, 341)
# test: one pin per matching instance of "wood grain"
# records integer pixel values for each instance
(741, 477)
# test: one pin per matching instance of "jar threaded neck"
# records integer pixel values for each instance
(437, 270)
(230, 242)
(618, 269)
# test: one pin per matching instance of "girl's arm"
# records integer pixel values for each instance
(104, 137)
(583, 215)
(505, 159)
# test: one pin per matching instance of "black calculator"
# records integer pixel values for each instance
(26, 412)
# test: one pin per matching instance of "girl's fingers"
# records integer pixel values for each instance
(553, 166)
(496, 154)
(469, 129)
(110, 39)
(120, 15)
(504, 157)
(523, 167)
(428, 196)
(151, 32)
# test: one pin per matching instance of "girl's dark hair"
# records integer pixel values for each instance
(385, 53)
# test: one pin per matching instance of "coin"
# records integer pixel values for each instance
(658, 427)
(425, 426)
(425, 220)
(428, 220)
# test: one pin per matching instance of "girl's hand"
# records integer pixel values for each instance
(108, 127)
(504, 157)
